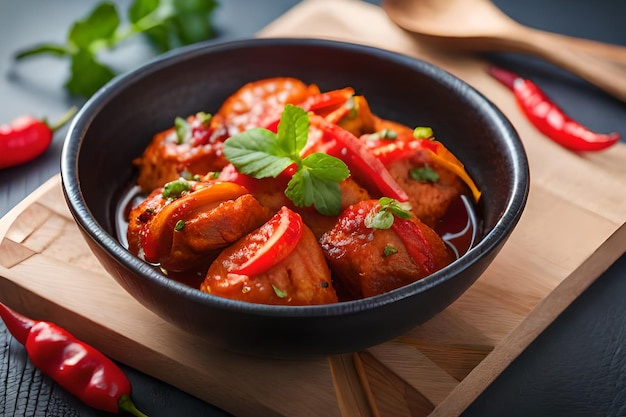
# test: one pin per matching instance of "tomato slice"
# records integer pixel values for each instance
(278, 238)
(363, 165)
(156, 241)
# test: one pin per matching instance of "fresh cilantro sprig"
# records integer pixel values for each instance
(262, 153)
(167, 24)
(383, 218)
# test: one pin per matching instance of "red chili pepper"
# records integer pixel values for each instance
(25, 138)
(344, 145)
(78, 367)
(549, 118)
(279, 237)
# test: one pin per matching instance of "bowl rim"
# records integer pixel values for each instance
(87, 222)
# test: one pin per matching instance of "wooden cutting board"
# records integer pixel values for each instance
(571, 231)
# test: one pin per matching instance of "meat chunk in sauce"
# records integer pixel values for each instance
(191, 229)
(291, 273)
(256, 104)
(227, 228)
(429, 198)
(270, 192)
(369, 261)
(168, 155)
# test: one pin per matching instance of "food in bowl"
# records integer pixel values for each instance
(117, 124)
(289, 195)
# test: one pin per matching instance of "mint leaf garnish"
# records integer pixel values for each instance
(262, 153)
(256, 152)
(383, 218)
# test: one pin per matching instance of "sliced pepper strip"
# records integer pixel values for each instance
(344, 145)
(415, 243)
(281, 235)
(323, 102)
(388, 151)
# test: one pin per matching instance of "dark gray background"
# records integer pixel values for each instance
(576, 368)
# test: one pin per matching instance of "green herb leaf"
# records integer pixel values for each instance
(280, 293)
(140, 9)
(100, 25)
(204, 118)
(424, 174)
(389, 250)
(183, 131)
(180, 225)
(305, 189)
(84, 63)
(178, 22)
(326, 167)
(383, 218)
(168, 23)
(388, 134)
(421, 132)
(256, 152)
(51, 49)
(261, 153)
(293, 130)
(402, 210)
(175, 189)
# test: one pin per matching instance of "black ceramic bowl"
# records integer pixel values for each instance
(118, 122)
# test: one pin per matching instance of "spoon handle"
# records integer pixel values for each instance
(601, 64)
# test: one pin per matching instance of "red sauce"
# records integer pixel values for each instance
(458, 228)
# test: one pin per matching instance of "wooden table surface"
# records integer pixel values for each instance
(575, 368)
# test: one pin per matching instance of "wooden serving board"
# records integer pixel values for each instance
(571, 231)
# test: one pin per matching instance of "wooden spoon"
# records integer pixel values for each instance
(478, 25)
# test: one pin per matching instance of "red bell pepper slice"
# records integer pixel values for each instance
(342, 144)
(328, 101)
(388, 151)
(278, 238)
(415, 243)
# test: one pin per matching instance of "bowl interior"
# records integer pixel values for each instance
(116, 125)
